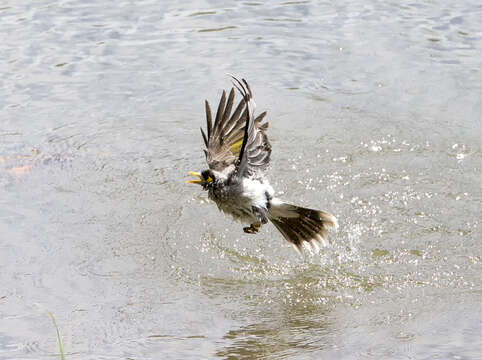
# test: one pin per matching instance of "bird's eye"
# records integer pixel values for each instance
(208, 176)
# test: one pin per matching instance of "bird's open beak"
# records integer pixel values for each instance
(200, 181)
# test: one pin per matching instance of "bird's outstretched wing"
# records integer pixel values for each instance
(224, 139)
(255, 152)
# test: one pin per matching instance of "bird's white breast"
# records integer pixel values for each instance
(257, 191)
(239, 202)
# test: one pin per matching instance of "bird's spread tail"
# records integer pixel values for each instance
(299, 225)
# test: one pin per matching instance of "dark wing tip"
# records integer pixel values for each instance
(247, 86)
(241, 88)
(206, 141)
(209, 118)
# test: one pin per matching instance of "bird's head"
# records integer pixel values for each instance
(205, 178)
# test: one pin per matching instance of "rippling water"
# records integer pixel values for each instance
(375, 116)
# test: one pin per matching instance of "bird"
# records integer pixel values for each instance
(238, 155)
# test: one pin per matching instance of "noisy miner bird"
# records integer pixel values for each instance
(238, 155)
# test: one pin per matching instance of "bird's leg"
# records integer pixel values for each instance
(261, 214)
(261, 218)
(252, 229)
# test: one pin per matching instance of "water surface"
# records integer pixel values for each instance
(375, 115)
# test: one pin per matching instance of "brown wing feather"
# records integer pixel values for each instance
(224, 139)
(225, 136)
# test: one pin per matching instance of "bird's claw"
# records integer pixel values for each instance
(249, 230)
(252, 229)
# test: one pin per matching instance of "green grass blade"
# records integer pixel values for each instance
(61, 347)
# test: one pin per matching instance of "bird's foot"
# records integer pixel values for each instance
(252, 229)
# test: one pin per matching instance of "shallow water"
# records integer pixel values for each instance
(375, 115)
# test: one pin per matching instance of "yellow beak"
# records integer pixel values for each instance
(200, 181)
